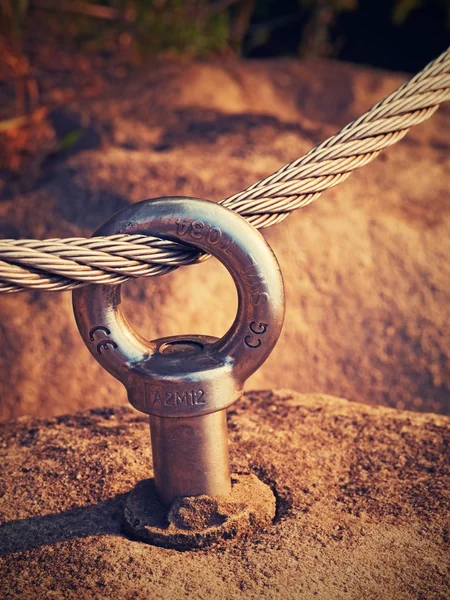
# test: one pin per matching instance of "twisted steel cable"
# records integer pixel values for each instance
(65, 264)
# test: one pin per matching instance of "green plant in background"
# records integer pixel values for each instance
(197, 28)
(184, 27)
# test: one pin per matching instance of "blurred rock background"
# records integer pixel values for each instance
(109, 103)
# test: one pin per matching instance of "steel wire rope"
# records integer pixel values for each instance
(66, 264)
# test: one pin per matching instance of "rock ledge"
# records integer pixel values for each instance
(362, 506)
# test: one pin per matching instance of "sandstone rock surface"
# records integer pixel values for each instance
(366, 267)
(362, 506)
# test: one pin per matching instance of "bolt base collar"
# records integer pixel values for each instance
(198, 521)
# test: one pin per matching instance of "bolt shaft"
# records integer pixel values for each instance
(190, 456)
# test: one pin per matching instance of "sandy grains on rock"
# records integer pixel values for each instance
(362, 506)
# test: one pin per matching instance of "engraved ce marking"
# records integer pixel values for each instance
(103, 344)
(256, 330)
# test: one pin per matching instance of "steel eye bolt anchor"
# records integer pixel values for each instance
(185, 383)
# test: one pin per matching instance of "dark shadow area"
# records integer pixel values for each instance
(370, 35)
(85, 207)
(104, 518)
(64, 133)
(72, 135)
(194, 126)
(61, 194)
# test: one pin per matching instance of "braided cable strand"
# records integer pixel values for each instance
(60, 265)
(66, 264)
(299, 183)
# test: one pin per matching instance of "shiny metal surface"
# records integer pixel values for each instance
(185, 378)
(198, 447)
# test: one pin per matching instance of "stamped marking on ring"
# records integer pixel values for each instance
(256, 282)
(154, 397)
(258, 330)
(199, 230)
(105, 345)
